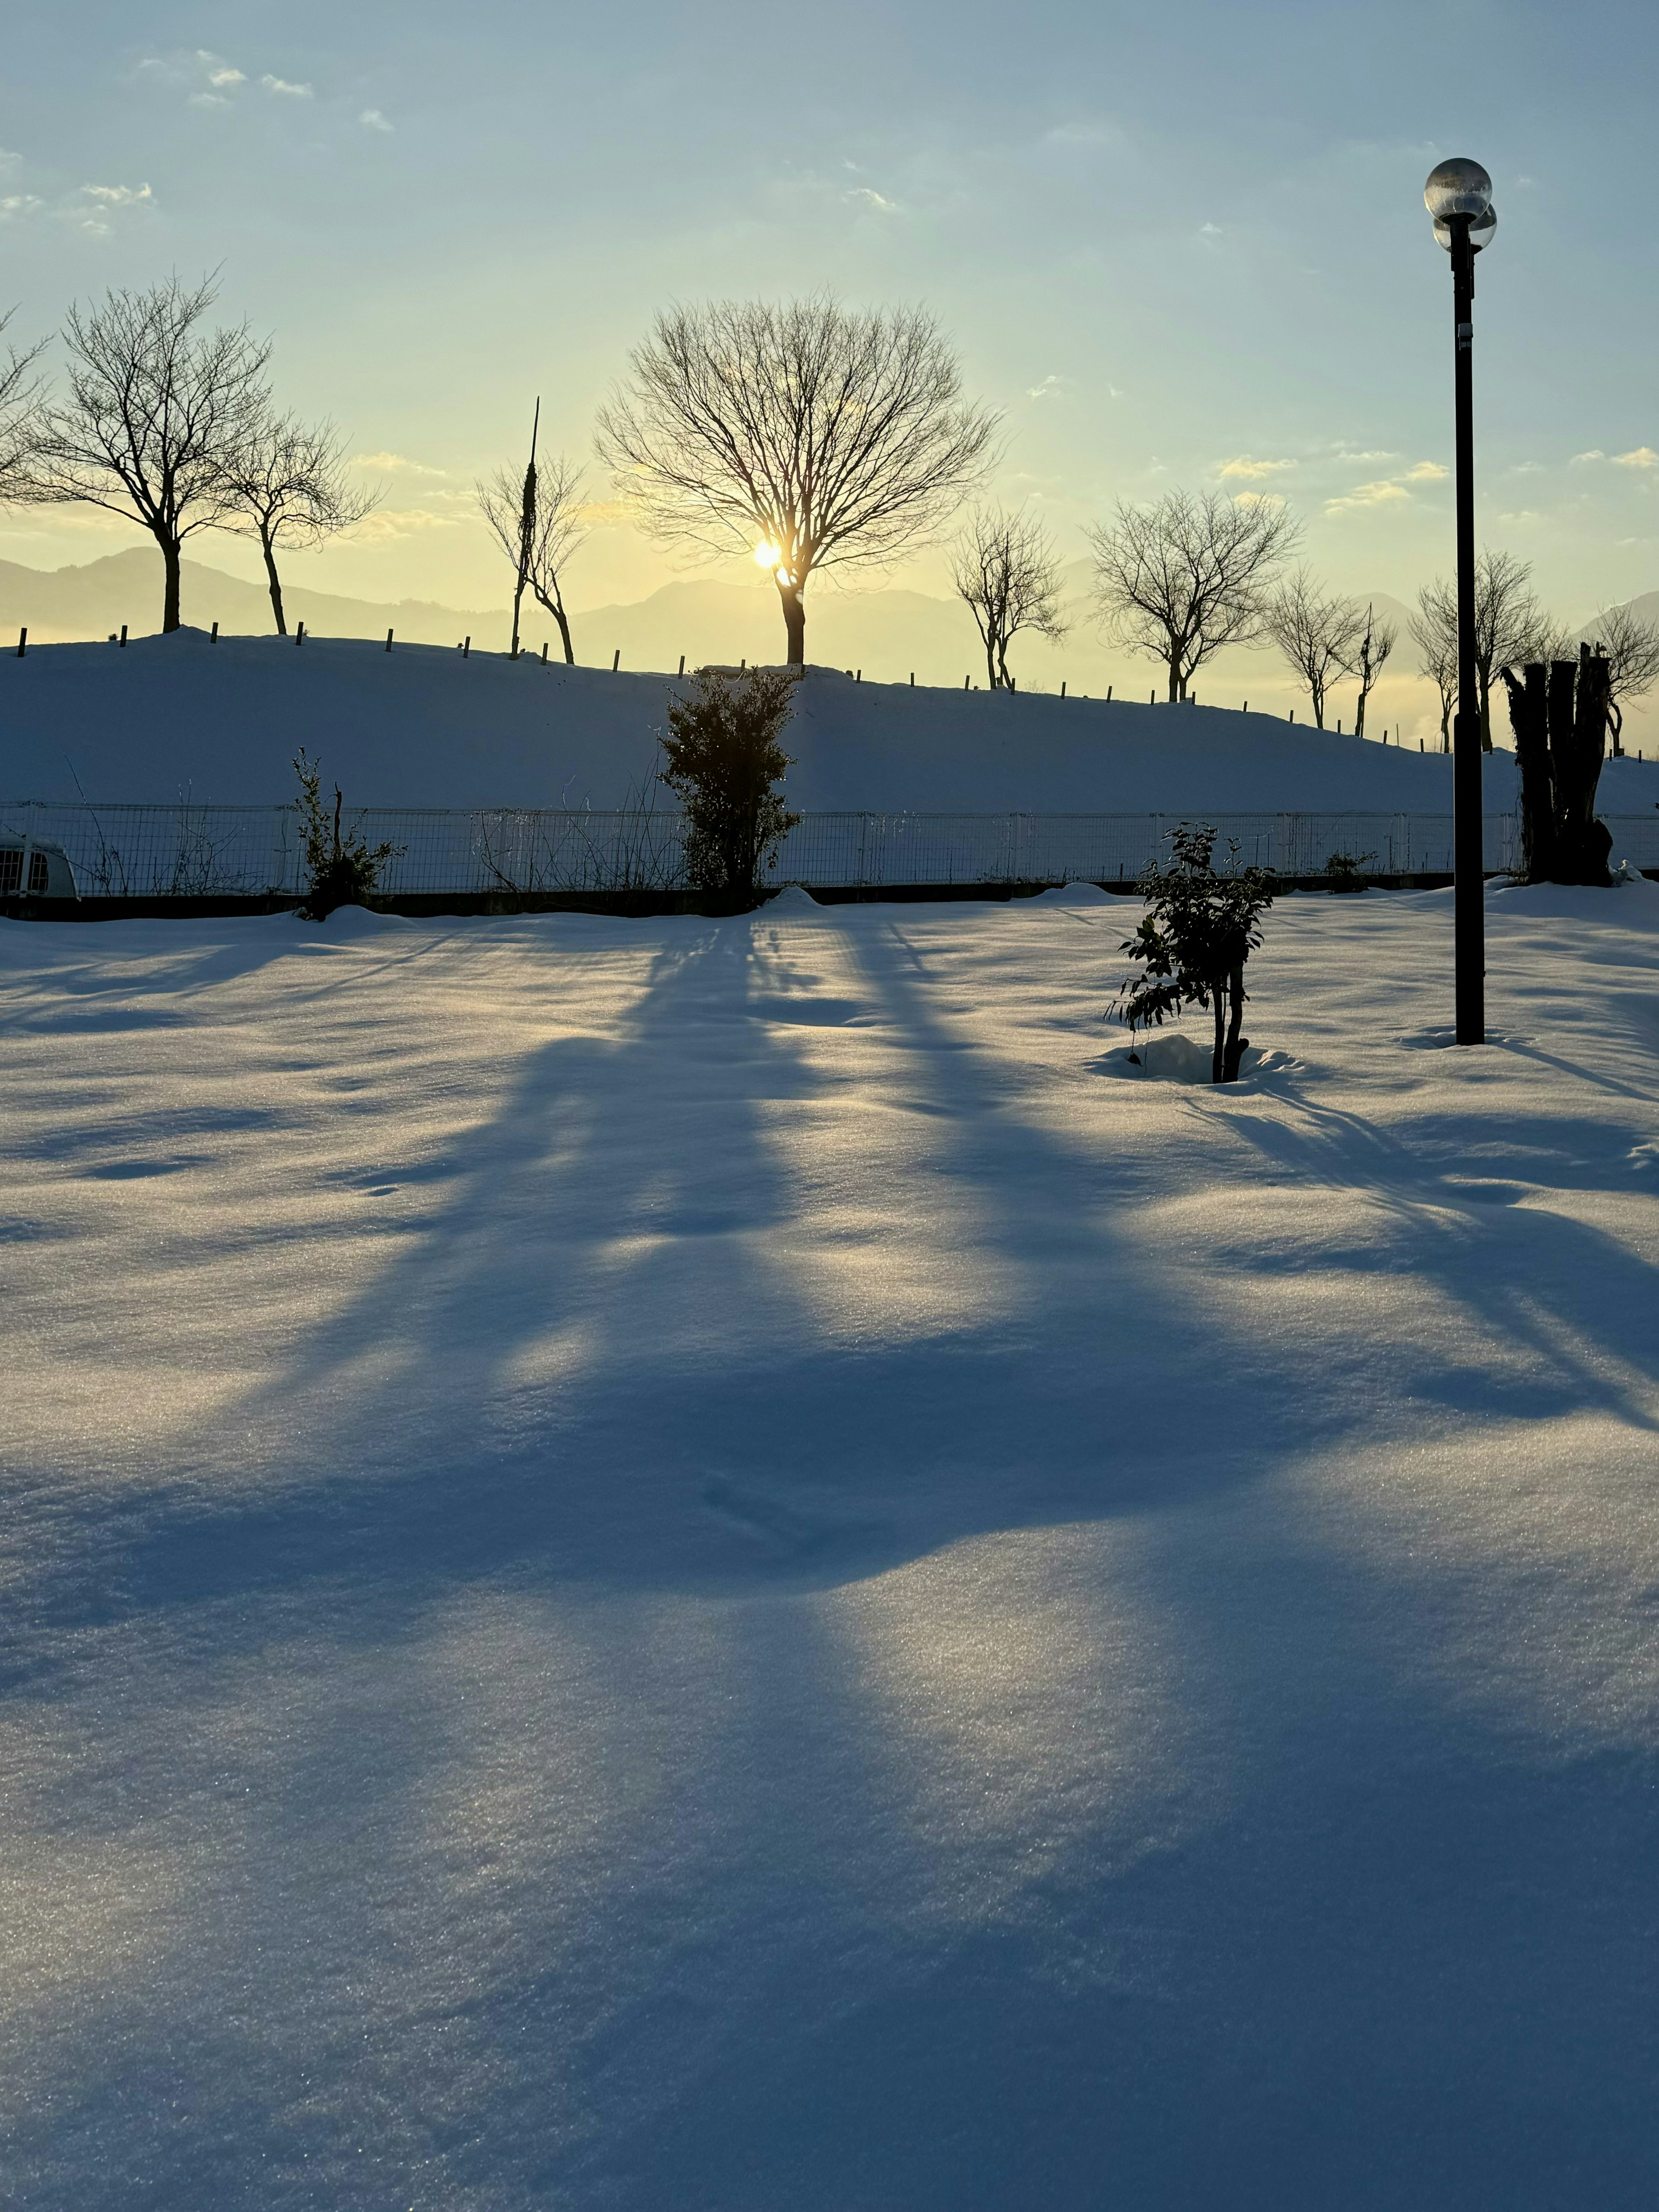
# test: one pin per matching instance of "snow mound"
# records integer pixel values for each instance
(363, 921)
(1074, 894)
(793, 899)
(1174, 1058)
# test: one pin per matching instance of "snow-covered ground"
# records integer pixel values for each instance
(423, 727)
(703, 1565)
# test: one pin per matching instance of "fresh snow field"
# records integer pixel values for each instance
(711, 1564)
(178, 716)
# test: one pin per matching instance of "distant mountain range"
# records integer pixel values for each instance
(888, 632)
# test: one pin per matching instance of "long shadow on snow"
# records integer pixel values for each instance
(1398, 1959)
(684, 1451)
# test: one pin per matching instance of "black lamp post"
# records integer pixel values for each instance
(1458, 195)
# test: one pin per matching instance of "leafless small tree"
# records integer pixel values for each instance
(1318, 632)
(158, 407)
(1632, 647)
(538, 525)
(21, 392)
(1434, 633)
(1510, 628)
(1376, 641)
(815, 436)
(1183, 578)
(287, 485)
(1004, 567)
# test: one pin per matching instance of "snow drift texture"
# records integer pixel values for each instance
(423, 727)
(696, 1565)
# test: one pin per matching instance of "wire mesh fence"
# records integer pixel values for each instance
(184, 851)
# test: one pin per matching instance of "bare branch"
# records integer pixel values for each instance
(1631, 649)
(1005, 569)
(1317, 632)
(557, 529)
(20, 395)
(286, 484)
(157, 408)
(1183, 578)
(834, 438)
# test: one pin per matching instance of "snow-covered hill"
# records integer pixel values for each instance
(423, 726)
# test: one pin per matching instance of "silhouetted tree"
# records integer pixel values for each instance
(537, 524)
(1434, 633)
(1316, 631)
(287, 485)
(1631, 648)
(1510, 628)
(1005, 569)
(1180, 580)
(158, 408)
(1200, 928)
(814, 435)
(723, 759)
(1373, 642)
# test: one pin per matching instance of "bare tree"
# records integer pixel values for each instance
(1180, 580)
(1510, 628)
(1374, 642)
(537, 524)
(814, 435)
(1632, 647)
(1004, 567)
(1434, 633)
(1317, 632)
(287, 484)
(158, 408)
(20, 416)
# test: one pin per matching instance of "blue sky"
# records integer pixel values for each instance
(1176, 245)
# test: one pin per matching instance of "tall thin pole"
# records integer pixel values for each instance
(1468, 841)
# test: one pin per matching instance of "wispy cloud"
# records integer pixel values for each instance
(1042, 391)
(395, 464)
(1385, 492)
(1251, 471)
(372, 119)
(1427, 472)
(863, 195)
(1593, 454)
(92, 208)
(1209, 230)
(384, 526)
(15, 205)
(1643, 457)
(281, 86)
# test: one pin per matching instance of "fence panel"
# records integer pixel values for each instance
(189, 851)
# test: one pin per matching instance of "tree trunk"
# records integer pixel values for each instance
(518, 602)
(268, 548)
(1483, 685)
(991, 684)
(1219, 1058)
(1529, 719)
(1359, 717)
(170, 587)
(794, 624)
(1237, 1040)
(1578, 725)
(1176, 684)
(564, 635)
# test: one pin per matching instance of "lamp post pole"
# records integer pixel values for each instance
(1458, 196)
(1468, 825)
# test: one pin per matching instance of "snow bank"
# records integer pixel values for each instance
(668, 1563)
(421, 726)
